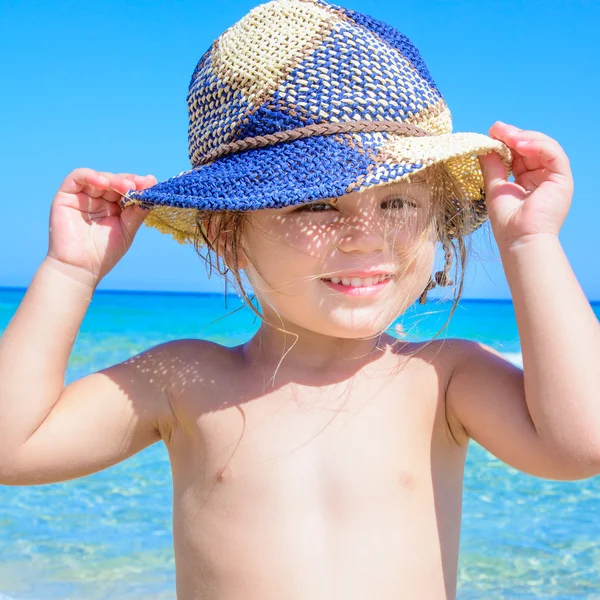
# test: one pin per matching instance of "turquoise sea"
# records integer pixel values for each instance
(108, 536)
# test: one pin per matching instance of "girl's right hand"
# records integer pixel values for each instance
(88, 229)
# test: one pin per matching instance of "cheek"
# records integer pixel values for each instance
(283, 258)
(416, 263)
(286, 240)
(308, 239)
(423, 269)
(407, 229)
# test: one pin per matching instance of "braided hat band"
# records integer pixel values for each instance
(302, 100)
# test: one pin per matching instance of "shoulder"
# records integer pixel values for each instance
(180, 373)
(167, 360)
(189, 348)
(465, 371)
(194, 367)
(182, 359)
(467, 354)
(442, 355)
(450, 354)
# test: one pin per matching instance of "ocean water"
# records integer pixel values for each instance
(109, 535)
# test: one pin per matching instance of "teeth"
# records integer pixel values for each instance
(357, 281)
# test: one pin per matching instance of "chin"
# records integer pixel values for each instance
(349, 327)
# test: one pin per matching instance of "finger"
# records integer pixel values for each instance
(531, 180)
(494, 171)
(145, 179)
(141, 181)
(111, 196)
(78, 179)
(518, 138)
(132, 217)
(117, 182)
(543, 153)
(101, 190)
(518, 164)
(110, 186)
(122, 184)
(529, 135)
(499, 129)
(510, 133)
(505, 132)
(107, 209)
(136, 180)
(524, 162)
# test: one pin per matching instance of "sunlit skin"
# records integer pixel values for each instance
(288, 251)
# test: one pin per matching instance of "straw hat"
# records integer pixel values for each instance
(302, 100)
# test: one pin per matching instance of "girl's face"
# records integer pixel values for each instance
(291, 254)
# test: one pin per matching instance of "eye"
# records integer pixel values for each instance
(314, 207)
(398, 202)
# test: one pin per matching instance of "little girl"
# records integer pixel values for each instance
(323, 458)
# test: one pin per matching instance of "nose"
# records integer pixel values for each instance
(360, 239)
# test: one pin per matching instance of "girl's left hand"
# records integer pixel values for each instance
(539, 199)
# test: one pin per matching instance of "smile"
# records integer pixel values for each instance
(358, 281)
(358, 286)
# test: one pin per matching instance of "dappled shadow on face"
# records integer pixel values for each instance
(291, 251)
(386, 218)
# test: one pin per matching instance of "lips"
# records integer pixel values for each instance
(357, 287)
(354, 281)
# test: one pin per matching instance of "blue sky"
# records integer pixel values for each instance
(103, 85)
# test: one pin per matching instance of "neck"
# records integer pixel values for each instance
(306, 351)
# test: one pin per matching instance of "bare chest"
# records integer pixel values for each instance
(362, 444)
(368, 428)
(359, 472)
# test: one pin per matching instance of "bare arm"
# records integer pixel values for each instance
(35, 349)
(560, 339)
(486, 401)
(545, 421)
(49, 432)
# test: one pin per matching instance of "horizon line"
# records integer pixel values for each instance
(208, 293)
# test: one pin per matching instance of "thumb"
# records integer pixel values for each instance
(494, 171)
(132, 217)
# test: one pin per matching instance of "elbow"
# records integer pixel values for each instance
(577, 466)
(12, 473)
(19, 479)
(587, 463)
(8, 478)
(594, 469)
(9, 474)
(578, 473)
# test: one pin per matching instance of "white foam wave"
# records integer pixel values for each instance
(514, 357)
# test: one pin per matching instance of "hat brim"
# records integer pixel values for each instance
(310, 169)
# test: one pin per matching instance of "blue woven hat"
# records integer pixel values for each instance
(302, 100)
